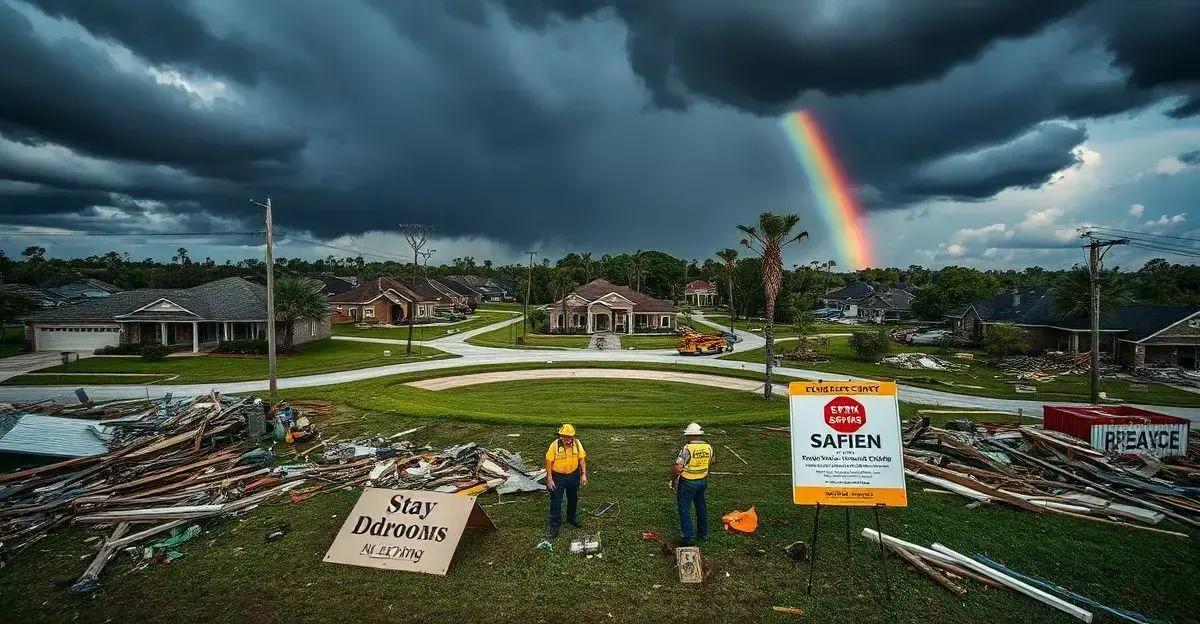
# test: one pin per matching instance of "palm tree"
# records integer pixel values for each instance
(586, 259)
(1072, 293)
(729, 256)
(562, 286)
(298, 299)
(637, 268)
(767, 239)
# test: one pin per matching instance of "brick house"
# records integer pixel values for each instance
(387, 301)
(601, 306)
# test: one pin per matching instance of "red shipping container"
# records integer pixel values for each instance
(1120, 428)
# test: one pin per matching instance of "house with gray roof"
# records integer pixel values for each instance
(227, 309)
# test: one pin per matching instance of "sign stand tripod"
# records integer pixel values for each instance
(812, 556)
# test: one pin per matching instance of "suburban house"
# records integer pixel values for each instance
(886, 306)
(458, 294)
(387, 301)
(85, 288)
(483, 289)
(227, 309)
(601, 306)
(700, 293)
(1133, 334)
(847, 298)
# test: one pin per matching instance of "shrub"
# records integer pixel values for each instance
(246, 347)
(539, 321)
(129, 348)
(1005, 339)
(871, 345)
(154, 352)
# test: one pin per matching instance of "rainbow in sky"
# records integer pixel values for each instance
(834, 193)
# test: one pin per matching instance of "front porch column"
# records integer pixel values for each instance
(589, 320)
(162, 326)
(629, 322)
(1074, 342)
(195, 337)
(224, 331)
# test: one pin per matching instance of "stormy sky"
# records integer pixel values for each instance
(979, 132)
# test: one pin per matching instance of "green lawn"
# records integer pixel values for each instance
(422, 332)
(506, 337)
(86, 380)
(649, 342)
(321, 356)
(502, 305)
(500, 577)
(980, 379)
(14, 337)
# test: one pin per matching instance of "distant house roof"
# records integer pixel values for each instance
(453, 286)
(483, 285)
(229, 299)
(336, 285)
(890, 299)
(372, 289)
(43, 297)
(1034, 305)
(700, 286)
(853, 292)
(598, 288)
(85, 287)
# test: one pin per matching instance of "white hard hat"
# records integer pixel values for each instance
(693, 429)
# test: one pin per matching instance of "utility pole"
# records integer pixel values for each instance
(417, 236)
(1096, 250)
(528, 289)
(271, 360)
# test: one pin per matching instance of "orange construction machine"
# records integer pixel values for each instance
(695, 343)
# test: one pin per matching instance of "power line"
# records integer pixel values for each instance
(361, 252)
(1150, 234)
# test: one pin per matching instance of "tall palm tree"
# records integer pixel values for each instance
(298, 299)
(1073, 294)
(768, 238)
(729, 257)
(561, 285)
(637, 268)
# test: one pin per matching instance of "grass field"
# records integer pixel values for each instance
(501, 305)
(784, 329)
(320, 356)
(505, 337)
(422, 332)
(980, 379)
(14, 337)
(230, 574)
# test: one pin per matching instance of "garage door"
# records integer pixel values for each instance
(81, 338)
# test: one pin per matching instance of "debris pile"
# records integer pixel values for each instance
(1168, 375)
(951, 569)
(1045, 471)
(921, 361)
(167, 465)
(1046, 367)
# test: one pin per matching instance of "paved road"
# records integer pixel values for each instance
(472, 355)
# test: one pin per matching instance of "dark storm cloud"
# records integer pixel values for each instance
(74, 95)
(761, 56)
(1190, 158)
(594, 121)
(166, 33)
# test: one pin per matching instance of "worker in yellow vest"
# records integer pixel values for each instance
(566, 470)
(689, 479)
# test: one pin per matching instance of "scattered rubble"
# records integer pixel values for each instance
(1168, 375)
(1045, 471)
(172, 464)
(1044, 368)
(921, 361)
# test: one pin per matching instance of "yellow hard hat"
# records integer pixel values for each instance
(567, 429)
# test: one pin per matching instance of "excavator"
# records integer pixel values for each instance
(695, 343)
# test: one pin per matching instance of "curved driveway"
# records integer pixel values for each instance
(472, 355)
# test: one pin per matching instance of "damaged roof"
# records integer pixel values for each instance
(229, 299)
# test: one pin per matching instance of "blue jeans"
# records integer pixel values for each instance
(564, 484)
(687, 493)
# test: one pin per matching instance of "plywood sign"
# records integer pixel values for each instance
(406, 530)
(846, 446)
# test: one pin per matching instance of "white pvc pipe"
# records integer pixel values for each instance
(1014, 584)
(873, 535)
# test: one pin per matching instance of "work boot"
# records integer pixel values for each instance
(687, 542)
(553, 532)
(575, 523)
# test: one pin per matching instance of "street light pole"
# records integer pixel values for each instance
(271, 359)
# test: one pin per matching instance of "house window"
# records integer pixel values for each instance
(560, 319)
(665, 321)
(353, 313)
(368, 312)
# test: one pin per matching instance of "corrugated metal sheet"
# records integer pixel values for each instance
(53, 436)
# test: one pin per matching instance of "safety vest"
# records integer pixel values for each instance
(699, 456)
(564, 459)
